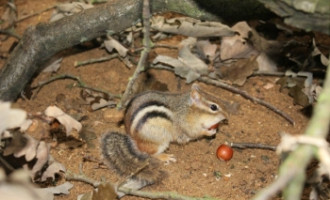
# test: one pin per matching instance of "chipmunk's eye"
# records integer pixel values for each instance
(214, 107)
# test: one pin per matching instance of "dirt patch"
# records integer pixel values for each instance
(197, 171)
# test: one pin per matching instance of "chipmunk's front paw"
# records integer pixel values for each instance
(167, 158)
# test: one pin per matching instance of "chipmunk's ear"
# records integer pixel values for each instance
(195, 96)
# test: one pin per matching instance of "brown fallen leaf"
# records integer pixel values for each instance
(53, 168)
(111, 44)
(236, 46)
(238, 72)
(66, 120)
(42, 158)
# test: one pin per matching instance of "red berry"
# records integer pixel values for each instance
(225, 152)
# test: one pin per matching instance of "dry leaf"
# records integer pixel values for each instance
(238, 72)
(236, 46)
(190, 27)
(111, 44)
(66, 120)
(192, 61)
(59, 189)
(18, 186)
(29, 150)
(265, 64)
(180, 68)
(52, 169)
(9, 117)
(316, 52)
(53, 65)
(97, 100)
(42, 157)
(206, 50)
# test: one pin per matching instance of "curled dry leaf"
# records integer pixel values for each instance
(238, 72)
(206, 50)
(316, 52)
(187, 65)
(52, 169)
(190, 27)
(29, 150)
(42, 157)
(111, 44)
(236, 46)
(53, 65)
(9, 117)
(66, 120)
(18, 186)
(97, 100)
(25, 145)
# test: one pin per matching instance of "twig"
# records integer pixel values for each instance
(155, 46)
(161, 195)
(258, 73)
(96, 60)
(247, 96)
(81, 84)
(144, 54)
(295, 164)
(10, 33)
(70, 176)
(34, 14)
(252, 145)
(238, 91)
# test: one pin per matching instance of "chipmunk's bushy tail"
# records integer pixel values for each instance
(121, 154)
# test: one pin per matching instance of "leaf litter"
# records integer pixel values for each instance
(37, 166)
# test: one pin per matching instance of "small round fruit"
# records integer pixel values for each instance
(225, 152)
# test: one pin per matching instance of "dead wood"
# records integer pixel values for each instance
(41, 42)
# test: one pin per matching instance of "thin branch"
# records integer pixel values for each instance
(252, 145)
(10, 33)
(70, 176)
(237, 91)
(147, 43)
(247, 96)
(161, 195)
(261, 73)
(96, 60)
(168, 46)
(81, 84)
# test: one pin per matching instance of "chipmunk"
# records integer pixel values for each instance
(152, 121)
